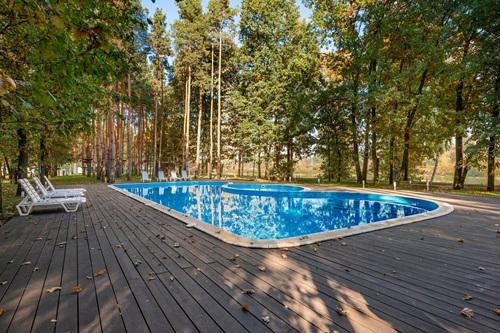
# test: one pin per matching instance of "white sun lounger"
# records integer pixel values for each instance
(173, 175)
(45, 193)
(51, 187)
(184, 175)
(145, 176)
(32, 200)
(161, 176)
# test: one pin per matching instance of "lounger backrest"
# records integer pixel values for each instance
(145, 175)
(40, 186)
(52, 188)
(161, 175)
(184, 174)
(173, 174)
(29, 190)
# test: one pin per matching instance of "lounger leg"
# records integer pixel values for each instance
(70, 208)
(24, 209)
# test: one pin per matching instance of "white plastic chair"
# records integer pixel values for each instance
(145, 177)
(56, 193)
(161, 176)
(51, 187)
(184, 175)
(32, 200)
(173, 176)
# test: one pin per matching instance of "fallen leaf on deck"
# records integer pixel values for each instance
(284, 256)
(151, 277)
(266, 319)
(172, 278)
(36, 269)
(89, 277)
(238, 266)
(343, 243)
(53, 320)
(497, 311)
(244, 307)
(100, 272)
(176, 245)
(460, 240)
(11, 261)
(262, 268)
(61, 244)
(340, 311)
(3, 283)
(315, 249)
(51, 290)
(2, 311)
(26, 263)
(137, 263)
(467, 312)
(467, 297)
(481, 268)
(248, 291)
(77, 289)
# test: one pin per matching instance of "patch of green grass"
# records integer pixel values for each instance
(81, 180)
(9, 201)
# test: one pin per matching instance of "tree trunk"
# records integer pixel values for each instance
(1, 190)
(405, 165)
(98, 171)
(219, 102)
(129, 130)
(366, 150)
(155, 140)
(22, 160)
(436, 161)
(111, 161)
(375, 159)
(44, 171)
(492, 141)
(211, 153)
(198, 134)
(355, 147)
(188, 119)
(391, 161)
(460, 167)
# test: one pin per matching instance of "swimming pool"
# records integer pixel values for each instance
(275, 215)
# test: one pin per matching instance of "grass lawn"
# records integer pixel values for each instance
(10, 200)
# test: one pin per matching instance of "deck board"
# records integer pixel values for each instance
(135, 278)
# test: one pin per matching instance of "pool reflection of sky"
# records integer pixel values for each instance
(270, 215)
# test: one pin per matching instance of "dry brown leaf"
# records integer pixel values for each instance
(284, 256)
(266, 319)
(77, 289)
(262, 268)
(51, 290)
(467, 297)
(340, 311)
(467, 312)
(2, 311)
(244, 307)
(248, 291)
(172, 278)
(481, 268)
(100, 272)
(497, 311)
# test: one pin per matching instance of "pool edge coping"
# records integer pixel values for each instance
(191, 222)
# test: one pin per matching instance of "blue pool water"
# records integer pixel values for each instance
(268, 211)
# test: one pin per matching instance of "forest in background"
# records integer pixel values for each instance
(373, 88)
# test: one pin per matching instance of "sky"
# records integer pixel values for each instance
(170, 8)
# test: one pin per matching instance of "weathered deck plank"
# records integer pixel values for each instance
(135, 278)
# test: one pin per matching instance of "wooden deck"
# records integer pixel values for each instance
(141, 271)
